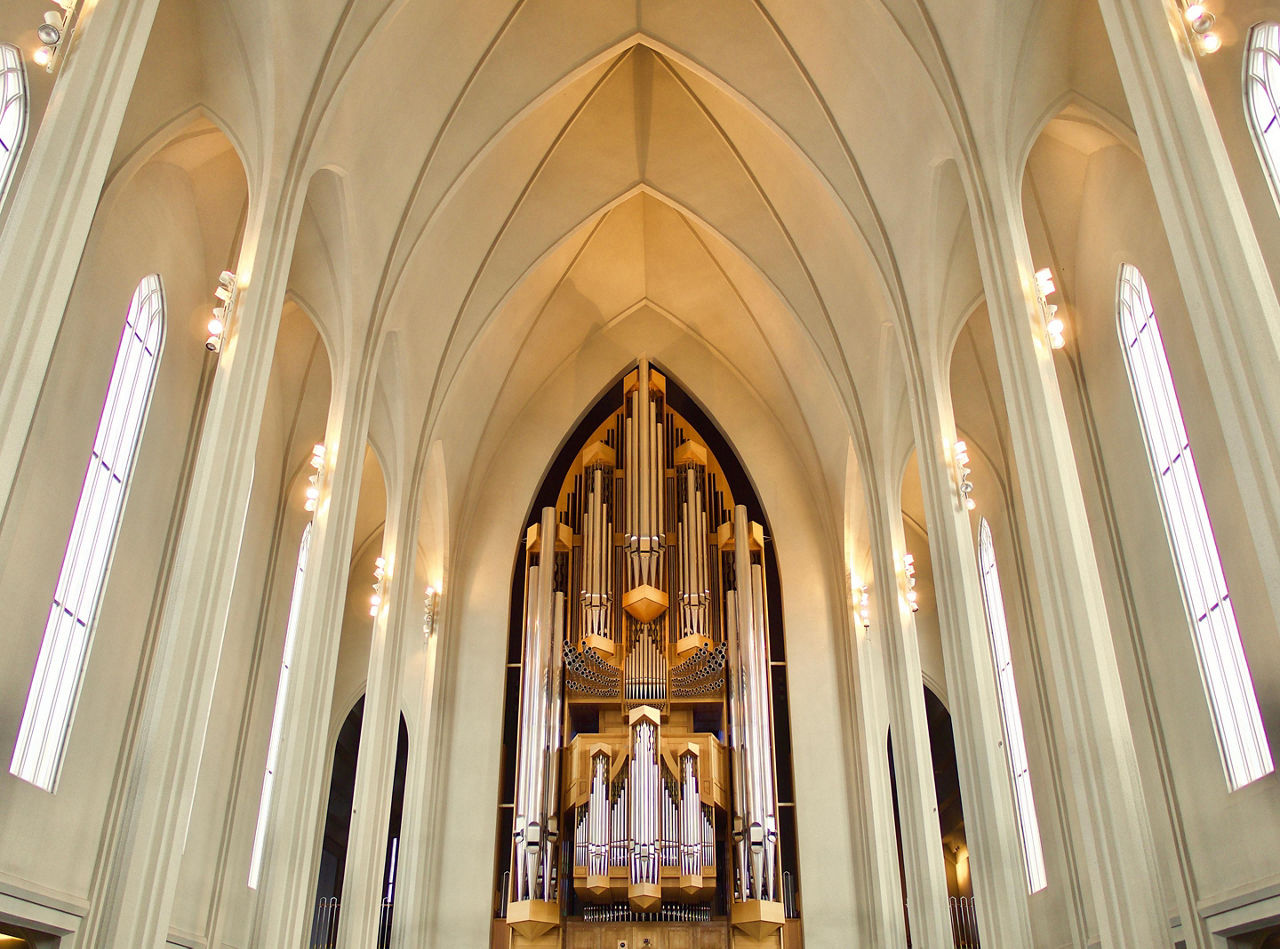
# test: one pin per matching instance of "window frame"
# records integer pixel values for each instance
(1192, 543)
(85, 570)
(1015, 744)
(1269, 160)
(277, 716)
(11, 63)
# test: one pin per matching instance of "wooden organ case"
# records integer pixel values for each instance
(643, 798)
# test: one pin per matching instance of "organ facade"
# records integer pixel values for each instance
(643, 779)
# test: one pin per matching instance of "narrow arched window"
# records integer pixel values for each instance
(1262, 96)
(55, 686)
(277, 720)
(1228, 685)
(1010, 715)
(13, 112)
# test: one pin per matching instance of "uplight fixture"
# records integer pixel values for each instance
(379, 578)
(963, 471)
(431, 600)
(313, 482)
(1053, 324)
(227, 293)
(1201, 21)
(909, 569)
(862, 599)
(53, 33)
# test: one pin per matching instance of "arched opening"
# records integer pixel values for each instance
(337, 832)
(631, 649)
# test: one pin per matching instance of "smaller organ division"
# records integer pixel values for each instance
(645, 774)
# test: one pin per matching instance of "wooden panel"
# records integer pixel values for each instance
(713, 935)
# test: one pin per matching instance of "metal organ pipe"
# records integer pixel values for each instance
(747, 621)
(544, 609)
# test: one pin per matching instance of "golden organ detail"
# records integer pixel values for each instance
(644, 790)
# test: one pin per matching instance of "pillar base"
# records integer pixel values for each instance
(532, 919)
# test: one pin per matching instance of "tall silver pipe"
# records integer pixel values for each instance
(645, 468)
(528, 688)
(554, 736)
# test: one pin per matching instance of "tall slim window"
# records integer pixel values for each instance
(55, 686)
(282, 690)
(1262, 96)
(1229, 688)
(1014, 743)
(13, 112)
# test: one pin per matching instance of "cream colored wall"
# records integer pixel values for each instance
(151, 225)
(1093, 213)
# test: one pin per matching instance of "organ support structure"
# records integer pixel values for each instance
(645, 780)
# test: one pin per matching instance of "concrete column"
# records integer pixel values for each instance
(883, 924)
(1230, 297)
(53, 204)
(913, 760)
(287, 889)
(990, 817)
(395, 628)
(132, 897)
(415, 847)
(1104, 790)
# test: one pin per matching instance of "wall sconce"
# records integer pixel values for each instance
(909, 568)
(429, 612)
(379, 578)
(1201, 21)
(227, 293)
(1053, 324)
(862, 599)
(54, 33)
(963, 471)
(313, 482)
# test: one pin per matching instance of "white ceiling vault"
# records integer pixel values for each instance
(491, 186)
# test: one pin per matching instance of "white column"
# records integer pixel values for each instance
(881, 923)
(1105, 792)
(412, 898)
(990, 817)
(396, 625)
(291, 854)
(132, 898)
(54, 201)
(912, 758)
(1230, 297)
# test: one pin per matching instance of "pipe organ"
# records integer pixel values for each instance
(645, 783)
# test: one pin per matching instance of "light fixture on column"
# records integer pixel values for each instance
(54, 33)
(1053, 324)
(1201, 21)
(963, 471)
(430, 602)
(379, 578)
(227, 293)
(909, 569)
(862, 600)
(313, 482)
